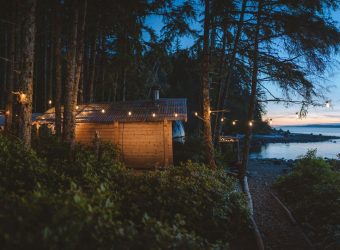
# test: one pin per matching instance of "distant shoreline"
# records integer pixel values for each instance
(325, 125)
(286, 137)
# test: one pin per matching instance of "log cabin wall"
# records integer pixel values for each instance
(142, 144)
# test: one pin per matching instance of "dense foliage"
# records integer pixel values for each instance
(312, 191)
(49, 200)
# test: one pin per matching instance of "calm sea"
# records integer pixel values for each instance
(327, 149)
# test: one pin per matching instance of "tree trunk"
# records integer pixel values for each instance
(69, 115)
(50, 70)
(251, 108)
(26, 74)
(58, 69)
(124, 83)
(115, 82)
(224, 87)
(45, 68)
(81, 85)
(102, 67)
(221, 84)
(10, 83)
(205, 90)
(80, 56)
(92, 69)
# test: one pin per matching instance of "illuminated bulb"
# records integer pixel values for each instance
(103, 111)
(22, 98)
(234, 123)
(250, 124)
(270, 121)
(77, 107)
(153, 115)
(7, 112)
(49, 102)
(297, 114)
(129, 113)
(176, 114)
(328, 104)
(222, 119)
(209, 112)
(196, 114)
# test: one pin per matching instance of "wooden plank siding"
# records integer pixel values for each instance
(142, 144)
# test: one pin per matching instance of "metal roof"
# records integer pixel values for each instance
(130, 111)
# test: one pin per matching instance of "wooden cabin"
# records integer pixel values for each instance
(141, 129)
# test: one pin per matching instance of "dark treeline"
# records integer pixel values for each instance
(108, 51)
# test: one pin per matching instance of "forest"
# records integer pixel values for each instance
(224, 57)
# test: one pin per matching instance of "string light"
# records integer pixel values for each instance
(250, 124)
(153, 114)
(103, 111)
(176, 114)
(270, 121)
(196, 114)
(328, 105)
(129, 113)
(297, 114)
(49, 102)
(77, 107)
(222, 119)
(22, 97)
(234, 123)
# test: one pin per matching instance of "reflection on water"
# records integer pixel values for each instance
(327, 149)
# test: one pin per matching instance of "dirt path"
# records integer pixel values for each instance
(276, 229)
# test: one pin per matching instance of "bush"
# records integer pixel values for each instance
(192, 149)
(51, 201)
(207, 200)
(20, 169)
(312, 191)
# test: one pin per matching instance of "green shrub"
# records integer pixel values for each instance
(74, 220)
(206, 199)
(312, 191)
(20, 169)
(192, 149)
(51, 201)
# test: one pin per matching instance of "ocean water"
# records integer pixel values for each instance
(328, 149)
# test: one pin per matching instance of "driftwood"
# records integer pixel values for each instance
(245, 189)
(292, 219)
(289, 214)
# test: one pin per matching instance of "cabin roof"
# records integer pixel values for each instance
(142, 110)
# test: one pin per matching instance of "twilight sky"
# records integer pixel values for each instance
(286, 116)
(279, 113)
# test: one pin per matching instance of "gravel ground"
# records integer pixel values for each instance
(275, 227)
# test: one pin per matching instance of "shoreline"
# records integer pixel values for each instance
(286, 137)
